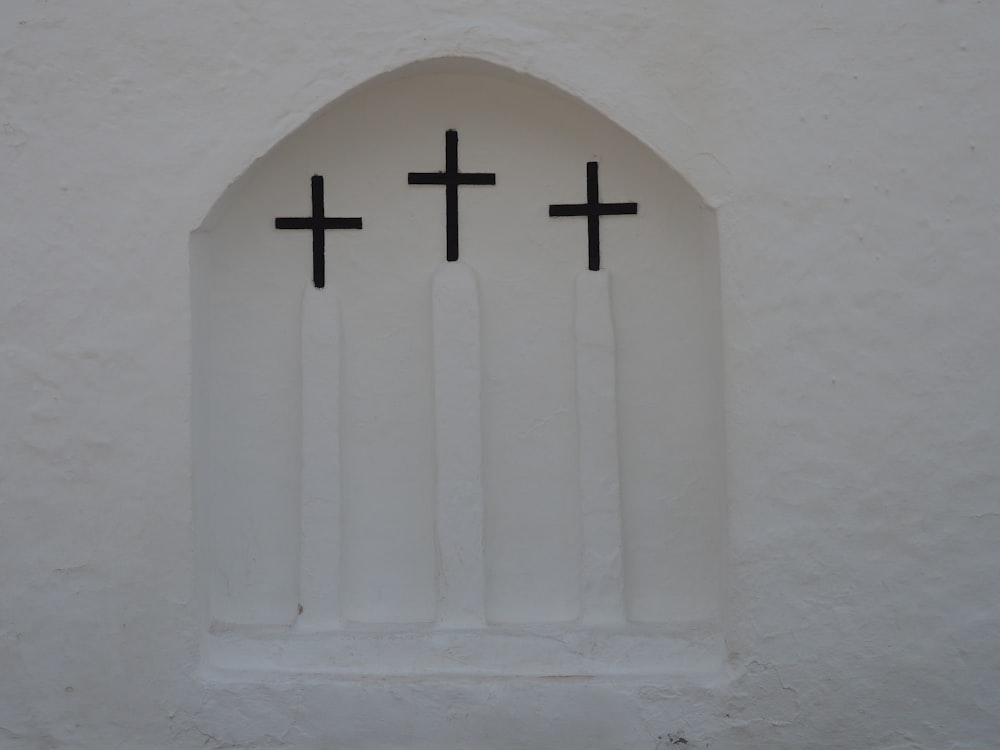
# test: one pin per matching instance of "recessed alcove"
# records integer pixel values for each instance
(507, 464)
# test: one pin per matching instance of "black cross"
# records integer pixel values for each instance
(593, 209)
(451, 178)
(318, 223)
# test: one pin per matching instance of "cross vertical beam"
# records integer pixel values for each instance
(318, 223)
(593, 209)
(451, 178)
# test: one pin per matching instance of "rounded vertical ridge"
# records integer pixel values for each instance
(602, 578)
(319, 564)
(458, 451)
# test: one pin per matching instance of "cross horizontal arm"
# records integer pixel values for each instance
(618, 209)
(477, 178)
(298, 222)
(346, 223)
(582, 209)
(568, 209)
(428, 178)
(443, 178)
(307, 222)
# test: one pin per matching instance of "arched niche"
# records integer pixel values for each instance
(488, 452)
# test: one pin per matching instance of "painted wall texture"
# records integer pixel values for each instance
(849, 151)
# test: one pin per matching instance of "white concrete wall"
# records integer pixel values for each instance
(850, 151)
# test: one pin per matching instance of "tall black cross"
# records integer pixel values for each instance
(451, 178)
(318, 223)
(593, 209)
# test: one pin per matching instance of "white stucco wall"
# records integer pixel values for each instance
(849, 150)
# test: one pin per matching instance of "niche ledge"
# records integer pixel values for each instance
(237, 651)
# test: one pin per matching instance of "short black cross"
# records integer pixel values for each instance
(451, 178)
(318, 223)
(593, 209)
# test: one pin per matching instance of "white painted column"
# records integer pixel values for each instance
(603, 599)
(458, 407)
(319, 571)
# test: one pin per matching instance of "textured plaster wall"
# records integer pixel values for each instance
(850, 150)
